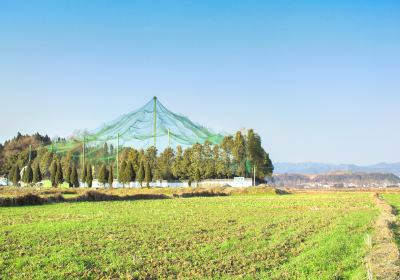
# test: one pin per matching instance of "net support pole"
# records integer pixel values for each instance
(30, 152)
(83, 152)
(254, 168)
(117, 156)
(155, 121)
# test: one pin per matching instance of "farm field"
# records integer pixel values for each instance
(300, 236)
(394, 200)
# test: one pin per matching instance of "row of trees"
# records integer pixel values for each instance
(239, 155)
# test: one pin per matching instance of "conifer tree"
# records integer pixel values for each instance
(140, 175)
(130, 172)
(37, 174)
(239, 154)
(53, 171)
(103, 175)
(148, 175)
(68, 175)
(84, 174)
(28, 174)
(59, 175)
(122, 175)
(74, 177)
(111, 176)
(89, 176)
(16, 176)
(11, 174)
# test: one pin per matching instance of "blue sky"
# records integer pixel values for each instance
(319, 80)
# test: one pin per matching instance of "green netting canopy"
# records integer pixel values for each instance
(151, 125)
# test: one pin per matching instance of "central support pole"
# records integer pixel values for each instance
(155, 121)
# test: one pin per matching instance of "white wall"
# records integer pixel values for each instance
(236, 183)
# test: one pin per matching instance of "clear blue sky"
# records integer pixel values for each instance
(319, 80)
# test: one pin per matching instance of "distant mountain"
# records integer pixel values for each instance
(318, 168)
(337, 180)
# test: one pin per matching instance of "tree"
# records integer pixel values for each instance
(239, 154)
(105, 151)
(130, 175)
(11, 174)
(84, 174)
(53, 171)
(218, 162)
(165, 163)
(28, 174)
(111, 150)
(103, 175)
(140, 175)
(208, 171)
(122, 175)
(68, 175)
(46, 160)
(59, 175)
(176, 167)
(89, 176)
(196, 162)
(111, 175)
(148, 175)
(74, 177)
(37, 174)
(16, 176)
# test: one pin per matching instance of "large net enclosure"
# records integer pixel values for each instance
(151, 125)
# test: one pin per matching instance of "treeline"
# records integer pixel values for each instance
(238, 155)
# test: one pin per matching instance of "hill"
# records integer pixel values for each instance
(317, 168)
(337, 179)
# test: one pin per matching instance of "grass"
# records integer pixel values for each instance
(301, 236)
(394, 200)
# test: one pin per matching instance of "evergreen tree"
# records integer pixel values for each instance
(208, 171)
(53, 171)
(122, 173)
(45, 163)
(89, 176)
(140, 175)
(219, 166)
(74, 177)
(11, 174)
(165, 163)
(239, 154)
(37, 174)
(147, 174)
(111, 175)
(130, 172)
(105, 152)
(68, 175)
(28, 174)
(84, 174)
(16, 176)
(111, 150)
(103, 175)
(177, 164)
(59, 175)
(196, 168)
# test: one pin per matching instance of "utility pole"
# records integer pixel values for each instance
(155, 121)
